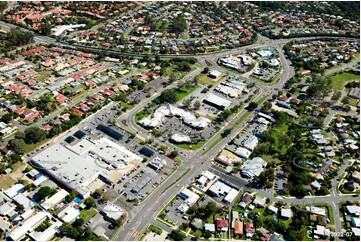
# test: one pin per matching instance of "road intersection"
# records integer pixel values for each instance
(144, 214)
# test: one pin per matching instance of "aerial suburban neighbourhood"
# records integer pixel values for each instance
(182, 120)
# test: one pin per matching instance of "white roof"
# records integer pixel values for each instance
(13, 190)
(113, 211)
(264, 53)
(202, 180)
(6, 208)
(48, 233)
(170, 110)
(215, 73)
(40, 180)
(58, 30)
(210, 227)
(260, 201)
(28, 225)
(183, 208)
(209, 175)
(242, 152)
(26, 202)
(231, 196)
(253, 167)
(55, 199)
(273, 208)
(251, 143)
(69, 214)
(353, 210)
(180, 138)
(316, 184)
(321, 230)
(217, 100)
(189, 196)
(316, 210)
(286, 212)
(27, 214)
(220, 188)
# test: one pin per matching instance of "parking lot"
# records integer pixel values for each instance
(280, 181)
(177, 217)
(176, 125)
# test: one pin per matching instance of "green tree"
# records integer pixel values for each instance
(252, 106)
(18, 146)
(179, 24)
(226, 132)
(205, 70)
(168, 95)
(79, 222)
(174, 153)
(6, 118)
(45, 28)
(44, 192)
(89, 202)
(177, 235)
(197, 105)
(34, 134)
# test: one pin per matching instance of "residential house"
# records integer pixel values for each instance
(222, 224)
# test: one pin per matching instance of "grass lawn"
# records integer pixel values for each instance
(241, 119)
(191, 146)
(212, 145)
(340, 80)
(204, 79)
(141, 114)
(261, 100)
(6, 181)
(87, 214)
(270, 158)
(126, 105)
(31, 147)
(18, 165)
(43, 75)
(353, 102)
(180, 95)
(276, 133)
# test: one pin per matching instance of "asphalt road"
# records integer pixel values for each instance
(150, 208)
(145, 213)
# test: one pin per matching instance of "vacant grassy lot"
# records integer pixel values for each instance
(87, 214)
(205, 80)
(180, 94)
(277, 133)
(340, 80)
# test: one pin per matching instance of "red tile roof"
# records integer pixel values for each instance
(221, 223)
(249, 227)
(60, 98)
(238, 227)
(77, 112)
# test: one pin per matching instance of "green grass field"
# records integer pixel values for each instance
(205, 80)
(31, 147)
(212, 145)
(277, 133)
(180, 95)
(340, 80)
(87, 214)
(141, 114)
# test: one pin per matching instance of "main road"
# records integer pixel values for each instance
(145, 213)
